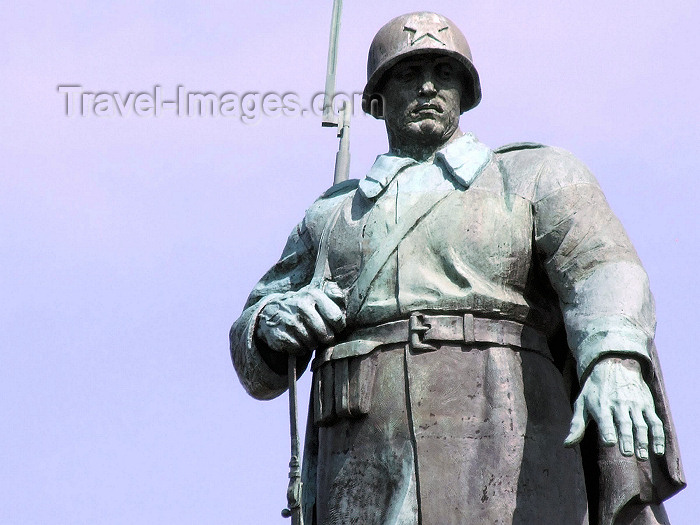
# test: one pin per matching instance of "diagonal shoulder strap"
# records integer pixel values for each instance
(378, 259)
(321, 266)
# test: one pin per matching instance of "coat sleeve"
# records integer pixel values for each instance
(261, 371)
(602, 288)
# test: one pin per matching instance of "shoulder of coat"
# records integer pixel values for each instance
(516, 146)
(322, 209)
(340, 189)
(534, 170)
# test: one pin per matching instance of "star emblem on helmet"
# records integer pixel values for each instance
(426, 31)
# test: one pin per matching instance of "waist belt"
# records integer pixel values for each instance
(424, 333)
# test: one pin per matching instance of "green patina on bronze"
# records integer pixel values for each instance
(456, 301)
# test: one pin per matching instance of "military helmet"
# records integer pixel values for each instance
(421, 33)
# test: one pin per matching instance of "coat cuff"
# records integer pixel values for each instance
(257, 377)
(611, 339)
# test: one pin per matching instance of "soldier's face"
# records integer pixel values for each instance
(422, 99)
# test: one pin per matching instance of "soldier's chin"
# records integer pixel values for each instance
(427, 130)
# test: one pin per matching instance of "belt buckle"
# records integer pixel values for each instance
(417, 328)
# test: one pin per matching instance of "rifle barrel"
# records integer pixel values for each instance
(342, 158)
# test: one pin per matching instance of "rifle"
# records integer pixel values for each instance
(330, 119)
(342, 169)
(293, 509)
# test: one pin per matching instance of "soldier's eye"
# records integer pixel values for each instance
(405, 74)
(444, 72)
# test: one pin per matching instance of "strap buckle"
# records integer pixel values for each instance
(417, 330)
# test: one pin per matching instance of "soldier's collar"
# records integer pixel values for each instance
(465, 159)
(380, 175)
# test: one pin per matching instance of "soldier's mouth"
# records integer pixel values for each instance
(428, 107)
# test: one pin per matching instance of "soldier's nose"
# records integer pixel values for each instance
(427, 89)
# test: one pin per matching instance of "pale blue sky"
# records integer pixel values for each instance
(128, 245)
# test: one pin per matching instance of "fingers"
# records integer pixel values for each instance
(658, 435)
(634, 428)
(578, 424)
(637, 422)
(321, 316)
(641, 434)
(301, 321)
(334, 291)
(298, 328)
(607, 430)
(279, 340)
(282, 330)
(619, 400)
(315, 325)
(283, 342)
(329, 310)
(625, 432)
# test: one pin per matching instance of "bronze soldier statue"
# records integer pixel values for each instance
(460, 301)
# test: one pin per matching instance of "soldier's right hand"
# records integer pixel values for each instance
(297, 322)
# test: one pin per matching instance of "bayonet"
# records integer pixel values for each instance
(330, 118)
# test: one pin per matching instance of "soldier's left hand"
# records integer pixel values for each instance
(616, 396)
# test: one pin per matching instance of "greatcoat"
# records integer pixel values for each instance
(520, 239)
